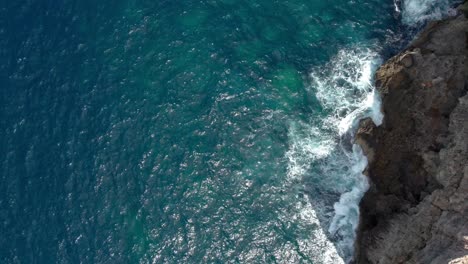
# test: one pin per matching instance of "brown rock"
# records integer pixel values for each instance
(406, 60)
(364, 138)
(416, 210)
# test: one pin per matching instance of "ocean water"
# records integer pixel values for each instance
(212, 131)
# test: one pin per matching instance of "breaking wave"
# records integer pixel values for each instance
(322, 151)
(416, 12)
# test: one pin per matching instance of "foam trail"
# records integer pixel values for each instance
(346, 218)
(318, 247)
(322, 150)
(308, 147)
(360, 101)
(396, 3)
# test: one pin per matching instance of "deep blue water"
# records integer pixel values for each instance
(215, 131)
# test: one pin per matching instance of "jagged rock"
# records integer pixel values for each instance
(364, 138)
(406, 60)
(416, 210)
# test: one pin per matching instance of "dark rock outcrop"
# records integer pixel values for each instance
(416, 210)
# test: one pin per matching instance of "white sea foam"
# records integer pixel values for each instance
(318, 247)
(307, 146)
(345, 88)
(346, 218)
(396, 3)
(415, 12)
(322, 150)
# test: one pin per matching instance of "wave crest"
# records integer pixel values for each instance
(416, 12)
(322, 151)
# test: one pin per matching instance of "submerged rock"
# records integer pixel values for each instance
(416, 210)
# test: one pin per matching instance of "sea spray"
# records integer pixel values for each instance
(416, 12)
(344, 88)
(322, 151)
(309, 145)
(364, 103)
(346, 218)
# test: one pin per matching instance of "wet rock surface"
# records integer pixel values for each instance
(416, 210)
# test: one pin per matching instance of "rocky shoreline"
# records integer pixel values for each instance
(416, 210)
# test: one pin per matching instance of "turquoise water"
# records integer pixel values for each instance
(187, 131)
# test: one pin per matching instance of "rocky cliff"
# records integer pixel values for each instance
(416, 210)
